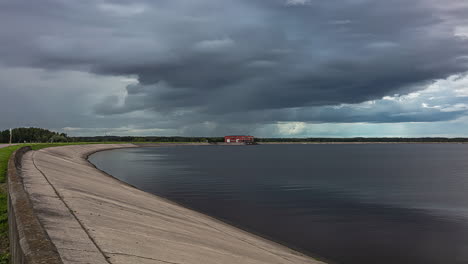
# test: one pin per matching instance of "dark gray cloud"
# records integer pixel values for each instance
(274, 60)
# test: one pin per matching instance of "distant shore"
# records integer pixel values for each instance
(142, 144)
(324, 143)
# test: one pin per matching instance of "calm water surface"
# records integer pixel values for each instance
(352, 204)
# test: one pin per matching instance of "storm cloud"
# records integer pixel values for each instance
(251, 62)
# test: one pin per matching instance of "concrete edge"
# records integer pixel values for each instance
(29, 242)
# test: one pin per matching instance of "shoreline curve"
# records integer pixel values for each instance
(85, 210)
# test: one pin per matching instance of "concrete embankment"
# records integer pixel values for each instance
(83, 215)
(29, 242)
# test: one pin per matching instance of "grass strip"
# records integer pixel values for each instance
(5, 154)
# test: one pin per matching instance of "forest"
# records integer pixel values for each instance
(32, 135)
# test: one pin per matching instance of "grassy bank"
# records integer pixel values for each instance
(5, 154)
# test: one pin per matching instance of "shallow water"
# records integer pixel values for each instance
(354, 204)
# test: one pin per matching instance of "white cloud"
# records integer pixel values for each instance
(291, 128)
(340, 22)
(382, 45)
(424, 105)
(461, 31)
(262, 64)
(297, 2)
(401, 98)
(214, 45)
(122, 10)
(455, 128)
(129, 80)
(455, 108)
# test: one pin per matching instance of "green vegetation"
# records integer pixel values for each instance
(32, 135)
(118, 139)
(39, 135)
(5, 154)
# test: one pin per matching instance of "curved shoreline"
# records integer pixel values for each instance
(250, 231)
(131, 226)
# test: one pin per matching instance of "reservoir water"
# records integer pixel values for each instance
(350, 204)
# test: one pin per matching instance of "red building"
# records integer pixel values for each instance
(239, 139)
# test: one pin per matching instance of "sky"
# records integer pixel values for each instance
(268, 68)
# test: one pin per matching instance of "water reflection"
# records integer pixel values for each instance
(373, 204)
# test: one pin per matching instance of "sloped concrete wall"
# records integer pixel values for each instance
(29, 243)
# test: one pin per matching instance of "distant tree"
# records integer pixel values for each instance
(58, 138)
(4, 136)
(31, 134)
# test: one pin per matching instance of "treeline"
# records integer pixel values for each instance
(365, 139)
(146, 139)
(32, 135)
(39, 135)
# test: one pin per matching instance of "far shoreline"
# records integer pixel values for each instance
(343, 143)
(159, 144)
